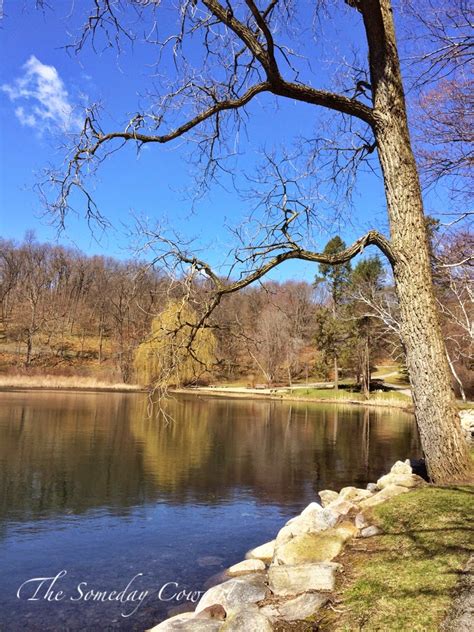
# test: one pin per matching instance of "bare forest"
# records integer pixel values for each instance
(67, 314)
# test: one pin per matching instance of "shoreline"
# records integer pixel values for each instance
(234, 394)
(340, 550)
(71, 389)
(225, 392)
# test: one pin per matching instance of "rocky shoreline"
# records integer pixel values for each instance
(291, 578)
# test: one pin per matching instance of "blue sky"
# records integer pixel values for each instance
(43, 90)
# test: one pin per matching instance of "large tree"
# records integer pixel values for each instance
(247, 50)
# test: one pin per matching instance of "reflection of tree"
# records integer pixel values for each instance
(66, 453)
(72, 453)
(174, 451)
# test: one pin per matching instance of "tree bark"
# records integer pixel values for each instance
(436, 413)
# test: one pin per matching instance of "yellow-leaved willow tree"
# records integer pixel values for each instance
(167, 357)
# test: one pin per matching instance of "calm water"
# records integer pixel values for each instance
(93, 486)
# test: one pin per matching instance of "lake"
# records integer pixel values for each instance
(100, 495)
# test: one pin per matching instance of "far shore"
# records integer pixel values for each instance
(284, 395)
(25, 383)
(64, 383)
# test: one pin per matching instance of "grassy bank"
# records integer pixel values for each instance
(394, 398)
(406, 578)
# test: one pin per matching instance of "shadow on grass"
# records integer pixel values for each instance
(406, 578)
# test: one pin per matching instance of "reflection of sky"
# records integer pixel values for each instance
(93, 486)
(185, 544)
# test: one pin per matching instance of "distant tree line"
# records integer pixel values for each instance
(64, 312)
(61, 309)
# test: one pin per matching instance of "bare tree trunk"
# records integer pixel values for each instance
(336, 374)
(366, 366)
(456, 376)
(29, 348)
(436, 413)
(101, 340)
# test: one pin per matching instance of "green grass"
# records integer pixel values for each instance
(404, 580)
(347, 395)
(397, 380)
(324, 393)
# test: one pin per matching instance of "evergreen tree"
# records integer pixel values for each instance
(330, 332)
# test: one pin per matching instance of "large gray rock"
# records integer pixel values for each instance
(296, 609)
(263, 552)
(235, 594)
(341, 507)
(187, 622)
(354, 494)
(401, 467)
(292, 580)
(247, 566)
(250, 620)
(385, 494)
(312, 520)
(309, 548)
(327, 496)
(370, 531)
(401, 474)
(167, 625)
(215, 611)
(361, 521)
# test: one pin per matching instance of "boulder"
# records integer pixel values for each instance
(311, 509)
(212, 612)
(404, 480)
(353, 494)
(385, 494)
(372, 487)
(341, 507)
(370, 531)
(271, 611)
(263, 552)
(401, 467)
(235, 594)
(187, 622)
(302, 607)
(361, 521)
(327, 496)
(164, 626)
(313, 519)
(251, 620)
(293, 580)
(247, 566)
(347, 530)
(331, 516)
(308, 548)
(296, 609)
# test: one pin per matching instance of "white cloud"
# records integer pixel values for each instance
(44, 99)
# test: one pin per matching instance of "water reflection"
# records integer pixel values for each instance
(90, 483)
(75, 452)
